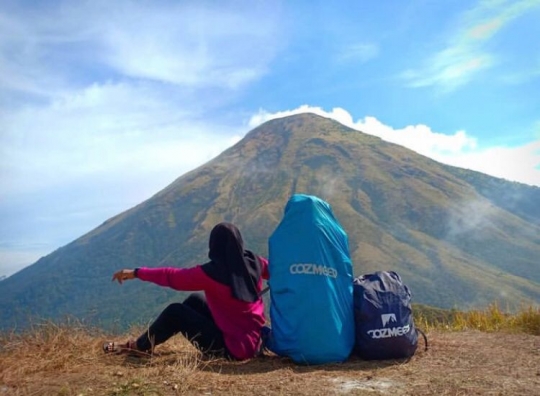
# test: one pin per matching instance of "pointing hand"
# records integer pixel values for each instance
(123, 275)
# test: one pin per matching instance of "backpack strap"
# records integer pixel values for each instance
(425, 338)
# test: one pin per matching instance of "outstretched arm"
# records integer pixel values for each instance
(187, 279)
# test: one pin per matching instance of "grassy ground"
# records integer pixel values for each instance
(493, 318)
(466, 356)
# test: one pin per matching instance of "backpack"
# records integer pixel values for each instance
(383, 317)
(311, 296)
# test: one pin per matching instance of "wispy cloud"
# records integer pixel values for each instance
(449, 69)
(357, 53)
(104, 129)
(186, 44)
(520, 163)
(465, 51)
(199, 47)
(526, 74)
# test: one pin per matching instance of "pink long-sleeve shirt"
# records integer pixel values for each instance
(240, 321)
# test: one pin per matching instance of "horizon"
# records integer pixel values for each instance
(104, 105)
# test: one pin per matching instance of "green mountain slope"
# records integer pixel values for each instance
(457, 237)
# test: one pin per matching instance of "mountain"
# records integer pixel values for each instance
(458, 238)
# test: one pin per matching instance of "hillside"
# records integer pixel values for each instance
(69, 361)
(457, 237)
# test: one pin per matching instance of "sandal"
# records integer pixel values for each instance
(119, 348)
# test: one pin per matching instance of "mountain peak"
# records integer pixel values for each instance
(304, 124)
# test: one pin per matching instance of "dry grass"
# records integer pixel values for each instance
(486, 352)
(493, 318)
(68, 360)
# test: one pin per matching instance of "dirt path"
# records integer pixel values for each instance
(461, 363)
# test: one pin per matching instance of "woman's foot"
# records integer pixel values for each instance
(120, 348)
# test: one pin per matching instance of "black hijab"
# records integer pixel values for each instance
(232, 265)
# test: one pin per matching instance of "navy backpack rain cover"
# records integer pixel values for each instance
(311, 285)
(383, 315)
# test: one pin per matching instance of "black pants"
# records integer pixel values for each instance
(193, 320)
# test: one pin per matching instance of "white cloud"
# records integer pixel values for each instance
(524, 75)
(465, 51)
(200, 46)
(360, 52)
(192, 45)
(512, 163)
(337, 114)
(105, 129)
(449, 69)
(521, 163)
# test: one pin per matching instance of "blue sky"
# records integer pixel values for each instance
(104, 103)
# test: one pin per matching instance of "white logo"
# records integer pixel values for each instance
(387, 333)
(387, 318)
(313, 269)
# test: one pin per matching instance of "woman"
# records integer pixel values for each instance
(227, 319)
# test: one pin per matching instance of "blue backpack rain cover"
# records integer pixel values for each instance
(311, 285)
(383, 315)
